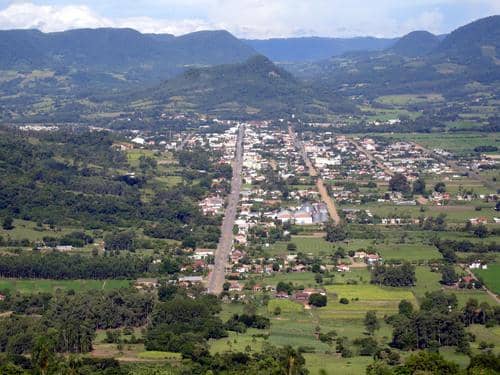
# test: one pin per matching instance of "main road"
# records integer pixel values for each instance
(217, 276)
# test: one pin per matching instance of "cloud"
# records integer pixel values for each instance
(250, 18)
(49, 18)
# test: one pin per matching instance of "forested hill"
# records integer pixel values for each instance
(257, 87)
(476, 43)
(416, 43)
(418, 63)
(116, 50)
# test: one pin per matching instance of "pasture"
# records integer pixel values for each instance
(49, 286)
(491, 277)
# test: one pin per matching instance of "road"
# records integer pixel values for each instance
(371, 157)
(217, 276)
(185, 141)
(474, 174)
(491, 294)
(325, 197)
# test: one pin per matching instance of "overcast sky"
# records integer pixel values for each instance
(250, 18)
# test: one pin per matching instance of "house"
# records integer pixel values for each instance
(360, 255)
(235, 287)
(343, 268)
(478, 220)
(303, 218)
(138, 141)
(144, 283)
(212, 205)
(64, 248)
(478, 266)
(257, 288)
(281, 295)
(188, 280)
(373, 258)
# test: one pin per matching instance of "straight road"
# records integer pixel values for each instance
(323, 192)
(371, 157)
(217, 276)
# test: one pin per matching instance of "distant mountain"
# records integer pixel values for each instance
(416, 43)
(463, 62)
(315, 48)
(256, 87)
(118, 50)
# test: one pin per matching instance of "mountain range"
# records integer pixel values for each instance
(119, 51)
(214, 72)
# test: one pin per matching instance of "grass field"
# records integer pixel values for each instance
(491, 277)
(305, 244)
(363, 298)
(285, 305)
(407, 99)
(24, 229)
(37, 286)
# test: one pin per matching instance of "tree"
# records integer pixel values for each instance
(292, 247)
(405, 308)
(371, 322)
(399, 182)
(481, 231)
(425, 362)
(419, 186)
(335, 233)
(317, 300)
(448, 275)
(8, 223)
(43, 355)
(440, 187)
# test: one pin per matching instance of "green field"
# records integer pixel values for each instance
(48, 286)
(491, 277)
(24, 229)
(454, 142)
(285, 305)
(408, 99)
(305, 244)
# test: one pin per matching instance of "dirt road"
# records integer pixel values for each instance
(371, 157)
(217, 276)
(325, 197)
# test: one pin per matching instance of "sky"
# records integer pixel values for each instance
(259, 19)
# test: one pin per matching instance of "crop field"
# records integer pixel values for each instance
(491, 277)
(38, 286)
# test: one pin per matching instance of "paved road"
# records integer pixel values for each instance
(325, 197)
(217, 276)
